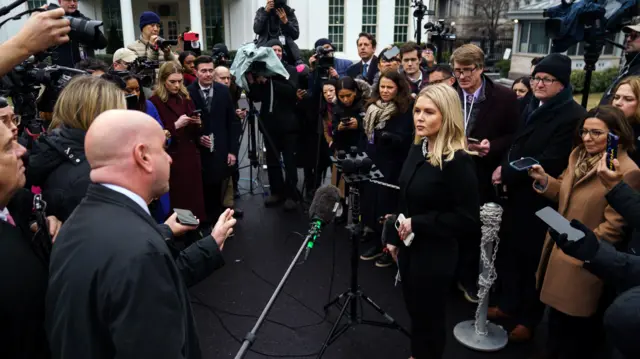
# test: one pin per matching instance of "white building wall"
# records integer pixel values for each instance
(12, 27)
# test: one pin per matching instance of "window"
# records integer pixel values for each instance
(214, 22)
(336, 23)
(112, 18)
(401, 22)
(36, 3)
(533, 38)
(369, 16)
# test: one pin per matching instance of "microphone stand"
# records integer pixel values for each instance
(314, 232)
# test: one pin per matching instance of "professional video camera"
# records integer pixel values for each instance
(145, 69)
(220, 55)
(23, 84)
(589, 20)
(439, 34)
(324, 61)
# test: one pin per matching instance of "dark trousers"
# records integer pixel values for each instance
(468, 263)
(573, 337)
(313, 178)
(285, 144)
(212, 200)
(518, 296)
(427, 275)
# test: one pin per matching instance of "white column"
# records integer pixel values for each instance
(386, 11)
(411, 30)
(352, 28)
(128, 30)
(195, 18)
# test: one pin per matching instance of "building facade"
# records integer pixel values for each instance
(530, 40)
(231, 21)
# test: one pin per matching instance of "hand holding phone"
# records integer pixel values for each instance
(524, 163)
(473, 140)
(559, 224)
(409, 235)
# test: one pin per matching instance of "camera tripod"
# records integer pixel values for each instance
(348, 301)
(255, 162)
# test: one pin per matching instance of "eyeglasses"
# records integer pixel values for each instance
(546, 81)
(593, 133)
(15, 119)
(435, 82)
(466, 72)
(632, 35)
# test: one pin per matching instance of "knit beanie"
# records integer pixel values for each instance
(556, 65)
(148, 18)
(322, 42)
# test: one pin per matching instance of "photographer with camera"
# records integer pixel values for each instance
(632, 58)
(79, 46)
(41, 31)
(220, 55)
(278, 97)
(122, 59)
(277, 21)
(150, 45)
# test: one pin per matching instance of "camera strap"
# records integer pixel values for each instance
(42, 241)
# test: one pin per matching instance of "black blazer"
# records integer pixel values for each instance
(121, 279)
(546, 134)
(444, 207)
(220, 119)
(355, 70)
(23, 286)
(497, 120)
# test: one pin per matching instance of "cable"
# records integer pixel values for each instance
(215, 311)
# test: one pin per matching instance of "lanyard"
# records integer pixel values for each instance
(467, 116)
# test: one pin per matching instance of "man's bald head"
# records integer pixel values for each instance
(222, 75)
(125, 148)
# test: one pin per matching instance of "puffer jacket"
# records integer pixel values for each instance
(58, 165)
(142, 49)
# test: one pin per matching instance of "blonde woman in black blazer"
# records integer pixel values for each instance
(439, 198)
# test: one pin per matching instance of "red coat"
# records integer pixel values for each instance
(189, 79)
(186, 170)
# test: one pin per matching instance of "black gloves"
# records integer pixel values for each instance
(584, 249)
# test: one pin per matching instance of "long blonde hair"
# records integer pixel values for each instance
(451, 137)
(169, 68)
(83, 99)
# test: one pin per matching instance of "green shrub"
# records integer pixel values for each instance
(503, 66)
(600, 80)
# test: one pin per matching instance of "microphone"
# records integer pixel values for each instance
(322, 211)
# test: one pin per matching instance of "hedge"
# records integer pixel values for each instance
(600, 80)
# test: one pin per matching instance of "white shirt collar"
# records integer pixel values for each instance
(132, 196)
(203, 88)
(4, 213)
(368, 63)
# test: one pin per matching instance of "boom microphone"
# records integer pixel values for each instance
(322, 211)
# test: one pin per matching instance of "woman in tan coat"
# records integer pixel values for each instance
(572, 292)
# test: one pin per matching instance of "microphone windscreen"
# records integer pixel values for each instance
(323, 203)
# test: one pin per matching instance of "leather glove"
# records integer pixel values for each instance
(583, 249)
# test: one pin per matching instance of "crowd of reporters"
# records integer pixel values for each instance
(446, 135)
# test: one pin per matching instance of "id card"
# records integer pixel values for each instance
(282, 39)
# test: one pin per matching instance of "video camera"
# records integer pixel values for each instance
(145, 70)
(440, 31)
(588, 20)
(23, 84)
(324, 61)
(220, 55)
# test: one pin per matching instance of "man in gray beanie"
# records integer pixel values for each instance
(545, 134)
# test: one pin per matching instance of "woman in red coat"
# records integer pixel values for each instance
(174, 105)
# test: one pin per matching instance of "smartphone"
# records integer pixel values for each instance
(472, 140)
(186, 217)
(132, 101)
(391, 53)
(559, 224)
(523, 164)
(345, 120)
(196, 113)
(409, 239)
(191, 36)
(612, 149)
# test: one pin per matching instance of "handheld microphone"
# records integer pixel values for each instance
(322, 211)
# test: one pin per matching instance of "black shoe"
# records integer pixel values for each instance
(385, 260)
(372, 253)
(290, 205)
(272, 201)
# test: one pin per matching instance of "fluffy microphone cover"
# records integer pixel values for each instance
(323, 203)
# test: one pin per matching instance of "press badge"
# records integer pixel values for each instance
(282, 39)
